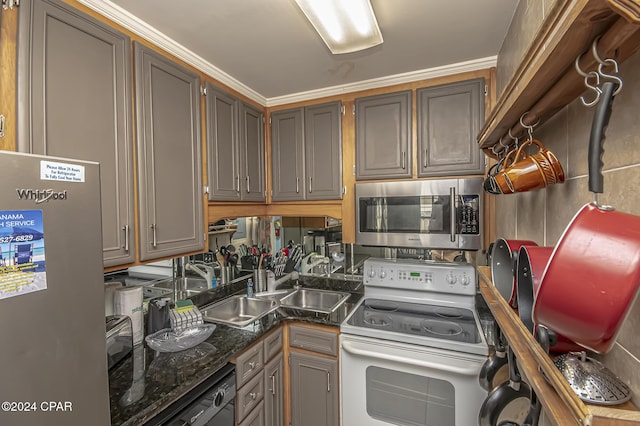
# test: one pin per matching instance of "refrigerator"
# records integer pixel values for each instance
(53, 365)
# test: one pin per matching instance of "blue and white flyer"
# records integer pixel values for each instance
(22, 259)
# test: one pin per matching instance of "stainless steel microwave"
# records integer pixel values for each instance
(435, 214)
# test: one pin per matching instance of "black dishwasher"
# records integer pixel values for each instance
(211, 403)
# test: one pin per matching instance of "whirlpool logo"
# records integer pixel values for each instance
(41, 195)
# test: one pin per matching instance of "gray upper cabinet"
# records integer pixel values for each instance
(383, 135)
(449, 119)
(170, 193)
(252, 153)
(307, 153)
(323, 151)
(235, 148)
(287, 155)
(74, 96)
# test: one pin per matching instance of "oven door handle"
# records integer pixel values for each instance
(417, 362)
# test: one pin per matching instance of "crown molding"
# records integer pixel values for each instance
(125, 19)
(408, 77)
(132, 23)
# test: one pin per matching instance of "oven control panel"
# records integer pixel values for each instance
(441, 277)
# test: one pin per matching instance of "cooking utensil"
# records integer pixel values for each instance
(495, 370)
(529, 268)
(591, 380)
(509, 402)
(593, 275)
(504, 255)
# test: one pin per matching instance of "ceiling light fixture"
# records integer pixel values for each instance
(345, 25)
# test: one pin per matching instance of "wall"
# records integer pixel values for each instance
(543, 215)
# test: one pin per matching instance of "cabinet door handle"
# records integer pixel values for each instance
(248, 186)
(126, 237)
(328, 381)
(154, 242)
(273, 384)
(452, 208)
(238, 183)
(252, 365)
(253, 395)
(404, 160)
(425, 158)
(310, 180)
(297, 185)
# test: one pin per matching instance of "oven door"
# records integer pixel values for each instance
(389, 383)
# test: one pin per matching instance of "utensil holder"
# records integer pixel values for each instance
(259, 280)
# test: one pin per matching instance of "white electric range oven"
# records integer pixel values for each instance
(412, 350)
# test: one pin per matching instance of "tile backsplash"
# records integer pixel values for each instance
(543, 215)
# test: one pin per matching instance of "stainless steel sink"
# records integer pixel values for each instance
(185, 287)
(238, 311)
(323, 301)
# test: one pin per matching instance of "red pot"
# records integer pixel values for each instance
(531, 263)
(504, 255)
(592, 278)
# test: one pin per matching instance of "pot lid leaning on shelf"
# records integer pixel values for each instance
(591, 380)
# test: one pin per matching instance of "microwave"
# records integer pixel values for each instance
(429, 214)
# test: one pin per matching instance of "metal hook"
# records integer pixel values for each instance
(514, 138)
(578, 69)
(603, 63)
(528, 127)
(594, 88)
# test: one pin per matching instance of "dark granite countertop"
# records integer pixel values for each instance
(145, 382)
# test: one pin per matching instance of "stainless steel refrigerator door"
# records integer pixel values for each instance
(53, 357)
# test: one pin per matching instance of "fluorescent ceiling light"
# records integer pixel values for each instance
(345, 25)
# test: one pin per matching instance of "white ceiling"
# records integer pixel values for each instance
(267, 50)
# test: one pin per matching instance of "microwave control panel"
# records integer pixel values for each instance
(469, 214)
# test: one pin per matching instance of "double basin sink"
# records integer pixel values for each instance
(240, 311)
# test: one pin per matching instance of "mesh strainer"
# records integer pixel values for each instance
(591, 380)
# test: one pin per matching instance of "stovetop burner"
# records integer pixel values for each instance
(416, 319)
(418, 303)
(377, 320)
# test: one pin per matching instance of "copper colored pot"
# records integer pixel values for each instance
(503, 267)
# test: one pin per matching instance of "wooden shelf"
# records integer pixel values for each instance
(561, 404)
(546, 80)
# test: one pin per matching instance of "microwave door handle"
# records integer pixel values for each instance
(406, 360)
(452, 209)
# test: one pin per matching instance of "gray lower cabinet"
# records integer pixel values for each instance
(235, 148)
(314, 390)
(383, 136)
(170, 190)
(449, 119)
(260, 384)
(307, 153)
(274, 392)
(74, 90)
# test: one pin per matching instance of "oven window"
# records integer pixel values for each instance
(409, 399)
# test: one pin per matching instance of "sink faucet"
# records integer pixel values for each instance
(205, 271)
(293, 275)
(310, 261)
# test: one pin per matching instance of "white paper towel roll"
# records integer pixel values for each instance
(109, 289)
(128, 301)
